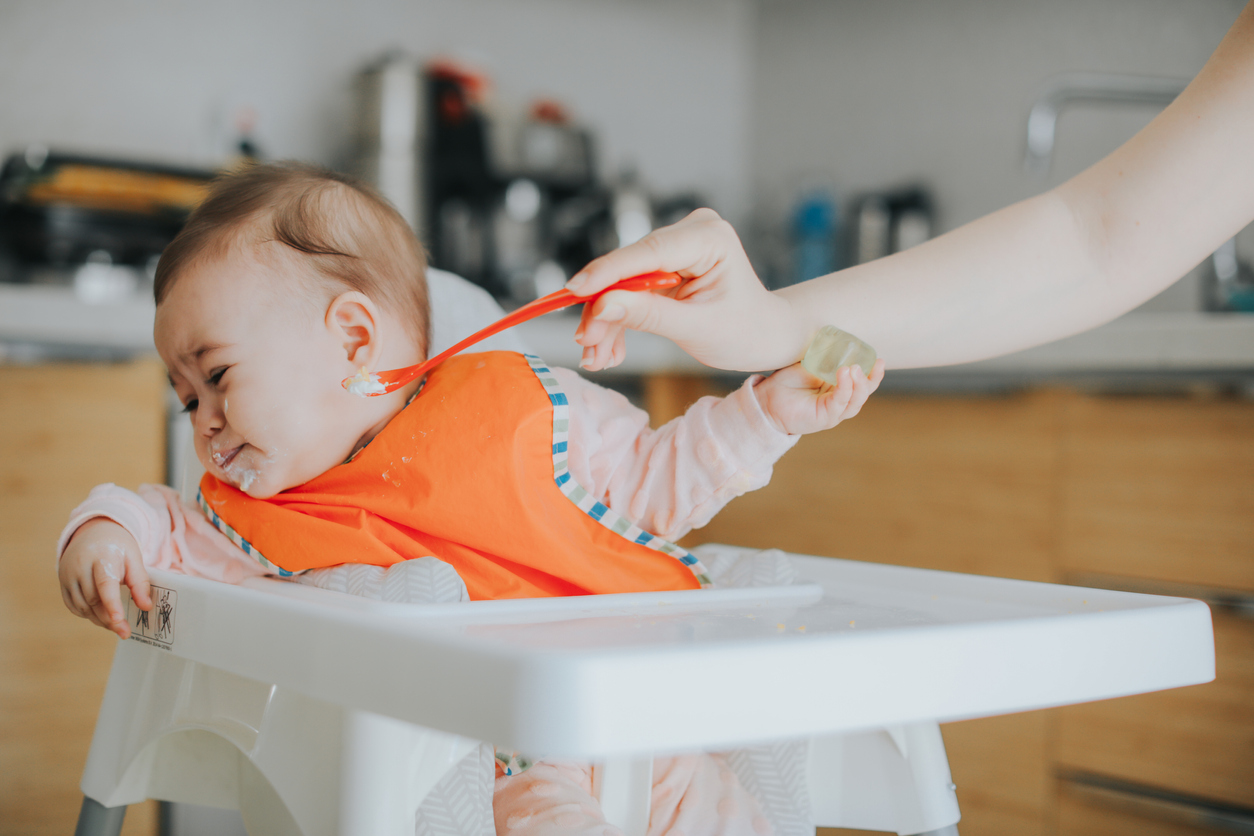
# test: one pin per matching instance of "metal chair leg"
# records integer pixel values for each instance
(95, 819)
(951, 830)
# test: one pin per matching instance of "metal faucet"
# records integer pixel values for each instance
(1088, 88)
(1228, 284)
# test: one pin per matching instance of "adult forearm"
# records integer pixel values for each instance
(1016, 278)
(1074, 257)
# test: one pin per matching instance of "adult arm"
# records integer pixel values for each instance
(1051, 266)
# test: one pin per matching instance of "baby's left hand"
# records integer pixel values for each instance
(796, 402)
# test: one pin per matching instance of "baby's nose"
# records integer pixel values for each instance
(209, 420)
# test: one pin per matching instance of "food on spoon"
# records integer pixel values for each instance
(365, 383)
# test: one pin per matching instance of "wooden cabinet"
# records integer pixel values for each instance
(1198, 741)
(1160, 489)
(63, 429)
(1148, 493)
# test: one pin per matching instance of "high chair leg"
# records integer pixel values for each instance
(95, 819)
(895, 779)
(624, 786)
(387, 767)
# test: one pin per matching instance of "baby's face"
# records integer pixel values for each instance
(253, 358)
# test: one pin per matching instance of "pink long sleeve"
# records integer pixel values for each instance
(668, 481)
(677, 477)
(171, 534)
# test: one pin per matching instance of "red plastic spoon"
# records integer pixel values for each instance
(366, 384)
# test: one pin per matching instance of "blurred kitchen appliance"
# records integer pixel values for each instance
(391, 120)
(510, 203)
(889, 222)
(461, 186)
(62, 210)
(553, 149)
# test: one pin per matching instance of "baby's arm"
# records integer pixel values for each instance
(115, 534)
(677, 477)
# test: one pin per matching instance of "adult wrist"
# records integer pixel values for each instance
(791, 329)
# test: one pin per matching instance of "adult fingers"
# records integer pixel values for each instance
(619, 353)
(609, 352)
(690, 247)
(598, 334)
(643, 312)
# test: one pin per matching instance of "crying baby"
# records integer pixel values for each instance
(524, 479)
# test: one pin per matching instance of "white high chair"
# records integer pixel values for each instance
(319, 713)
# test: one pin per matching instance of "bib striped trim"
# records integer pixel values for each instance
(585, 501)
(234, 537)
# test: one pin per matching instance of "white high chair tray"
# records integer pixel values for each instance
(860, 646)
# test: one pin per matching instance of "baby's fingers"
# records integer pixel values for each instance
(108, 607)
(836, 399)
(137, 580)
(80, 596)
(863, 387)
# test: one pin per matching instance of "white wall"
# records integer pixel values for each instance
(748, 101)
(664, 84)
(858, 94)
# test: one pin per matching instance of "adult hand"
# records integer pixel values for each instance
(721, 314)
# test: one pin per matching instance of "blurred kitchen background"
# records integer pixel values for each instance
(524, 137)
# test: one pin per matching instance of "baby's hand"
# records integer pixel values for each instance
(798, 402)
(100, 557)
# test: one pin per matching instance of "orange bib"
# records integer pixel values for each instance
(472, 472)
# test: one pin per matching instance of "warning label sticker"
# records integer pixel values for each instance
(155, 626)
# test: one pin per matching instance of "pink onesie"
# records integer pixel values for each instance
(667, 481)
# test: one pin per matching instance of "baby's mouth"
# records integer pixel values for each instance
(223, 460)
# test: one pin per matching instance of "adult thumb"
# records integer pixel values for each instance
(640, 310)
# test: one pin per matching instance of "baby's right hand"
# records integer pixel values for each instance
(100, 557)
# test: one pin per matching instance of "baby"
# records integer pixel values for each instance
(527, 481)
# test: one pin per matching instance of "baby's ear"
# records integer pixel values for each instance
(353, 321)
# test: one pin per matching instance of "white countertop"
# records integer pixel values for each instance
(53, 314)
(1137, 342)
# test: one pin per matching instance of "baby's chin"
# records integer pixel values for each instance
(259, 489)
(263, 481)
(260, 486)
(259, 480)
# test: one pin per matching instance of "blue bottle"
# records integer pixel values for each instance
(815, 238)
